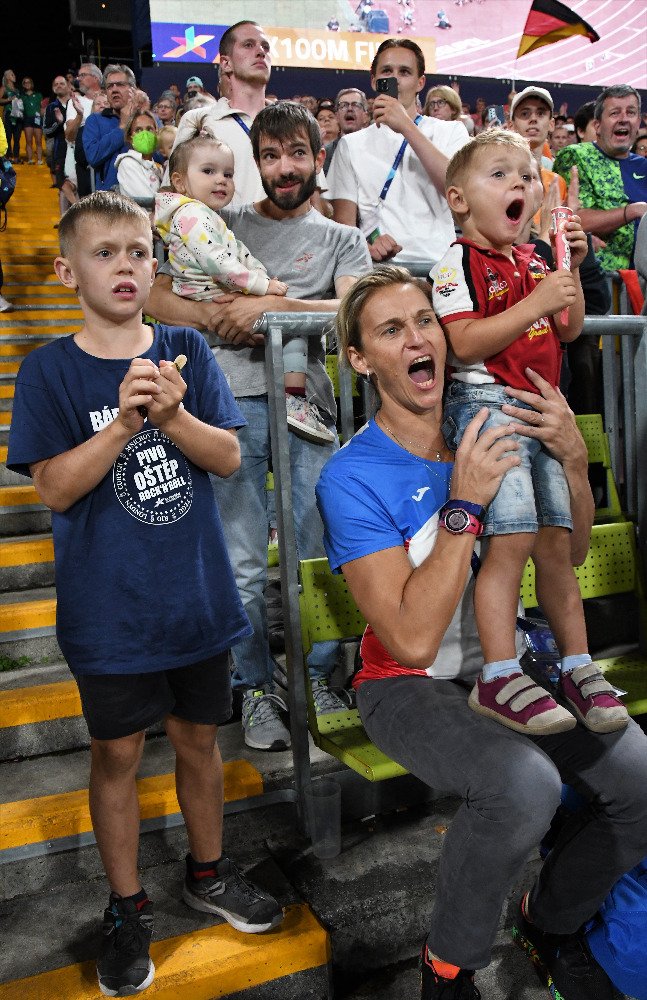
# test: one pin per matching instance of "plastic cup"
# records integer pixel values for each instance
(562, 247)
(323, 812)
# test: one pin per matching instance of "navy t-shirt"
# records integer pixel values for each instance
(143, 578)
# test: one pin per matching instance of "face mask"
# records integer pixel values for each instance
(144, 142)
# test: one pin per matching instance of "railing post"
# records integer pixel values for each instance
(640, 384)
(288, 567)
(276, 325)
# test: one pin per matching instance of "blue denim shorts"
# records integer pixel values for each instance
(532, 494)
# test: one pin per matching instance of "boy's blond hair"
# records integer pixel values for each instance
(462, 160)
(167, 132)
(107, 207)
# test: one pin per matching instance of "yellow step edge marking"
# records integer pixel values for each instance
(3, 458)
(6, 391)
(205, 965)
(27, 614)
(30, 821)
(45, 313)
(16, 496)
(5, 417)
(9, 367)
(21, 553)
(19, 350)
(41, 703)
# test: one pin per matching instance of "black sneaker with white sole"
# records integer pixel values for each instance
(124, 966)
(225, 892)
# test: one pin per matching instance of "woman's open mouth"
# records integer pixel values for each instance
(423, 372)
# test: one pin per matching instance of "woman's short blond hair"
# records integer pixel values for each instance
(448, 95)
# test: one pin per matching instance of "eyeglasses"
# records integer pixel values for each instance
(83, 72)
(115, 83)
(348, 105)
(440, 103)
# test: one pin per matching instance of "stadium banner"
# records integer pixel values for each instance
(289, 46)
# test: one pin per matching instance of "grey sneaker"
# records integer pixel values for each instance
(4, 305)
(243, 905)
(263, 727)
(305, 420)
(328, 701)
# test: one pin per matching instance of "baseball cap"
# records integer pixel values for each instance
(539, 92)
(194, 81)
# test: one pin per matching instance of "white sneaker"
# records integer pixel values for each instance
(305, 420)
(4, 305)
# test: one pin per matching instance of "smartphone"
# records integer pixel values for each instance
(495, 114)
(387, 85)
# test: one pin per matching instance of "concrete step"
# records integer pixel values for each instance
(43, 716)
(41, 295)
(40, 711)
(375, 901)
(14, 349)
(8, 478)
(38, 291)
(28, 625)
(196, 957)
(26, 562)
(27, 823)
(21, 510)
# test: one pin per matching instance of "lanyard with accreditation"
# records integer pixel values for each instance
(396, 163)
(389, 180)
(243, 125)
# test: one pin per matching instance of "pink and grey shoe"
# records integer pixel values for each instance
(592, 699)
(518, 703)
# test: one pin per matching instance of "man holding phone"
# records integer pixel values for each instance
(391, 175)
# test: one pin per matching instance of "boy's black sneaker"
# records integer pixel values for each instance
(563, 961)
(435, 987)
(225, 892)
(124, 966)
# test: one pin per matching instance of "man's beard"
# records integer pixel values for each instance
(296, 198)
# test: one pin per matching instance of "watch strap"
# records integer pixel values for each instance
(475, 509)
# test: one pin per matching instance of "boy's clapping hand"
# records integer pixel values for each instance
(171, 388)
(138, 389)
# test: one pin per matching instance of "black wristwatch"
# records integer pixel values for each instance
(461, 516)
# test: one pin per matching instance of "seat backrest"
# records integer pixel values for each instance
(597, 444)
(332, 369)
(328, 610)
(610, 566)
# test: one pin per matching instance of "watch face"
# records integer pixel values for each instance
(457, 520)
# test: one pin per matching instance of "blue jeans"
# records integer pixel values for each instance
(242, 500)
(531, 494)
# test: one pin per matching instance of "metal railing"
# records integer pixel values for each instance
(626, 410)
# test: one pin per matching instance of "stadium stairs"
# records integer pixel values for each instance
(53, 888)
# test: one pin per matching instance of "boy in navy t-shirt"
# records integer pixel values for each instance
(120, 442)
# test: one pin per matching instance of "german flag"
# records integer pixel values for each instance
(549, 21)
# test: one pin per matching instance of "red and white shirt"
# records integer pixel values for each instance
(473, 282)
